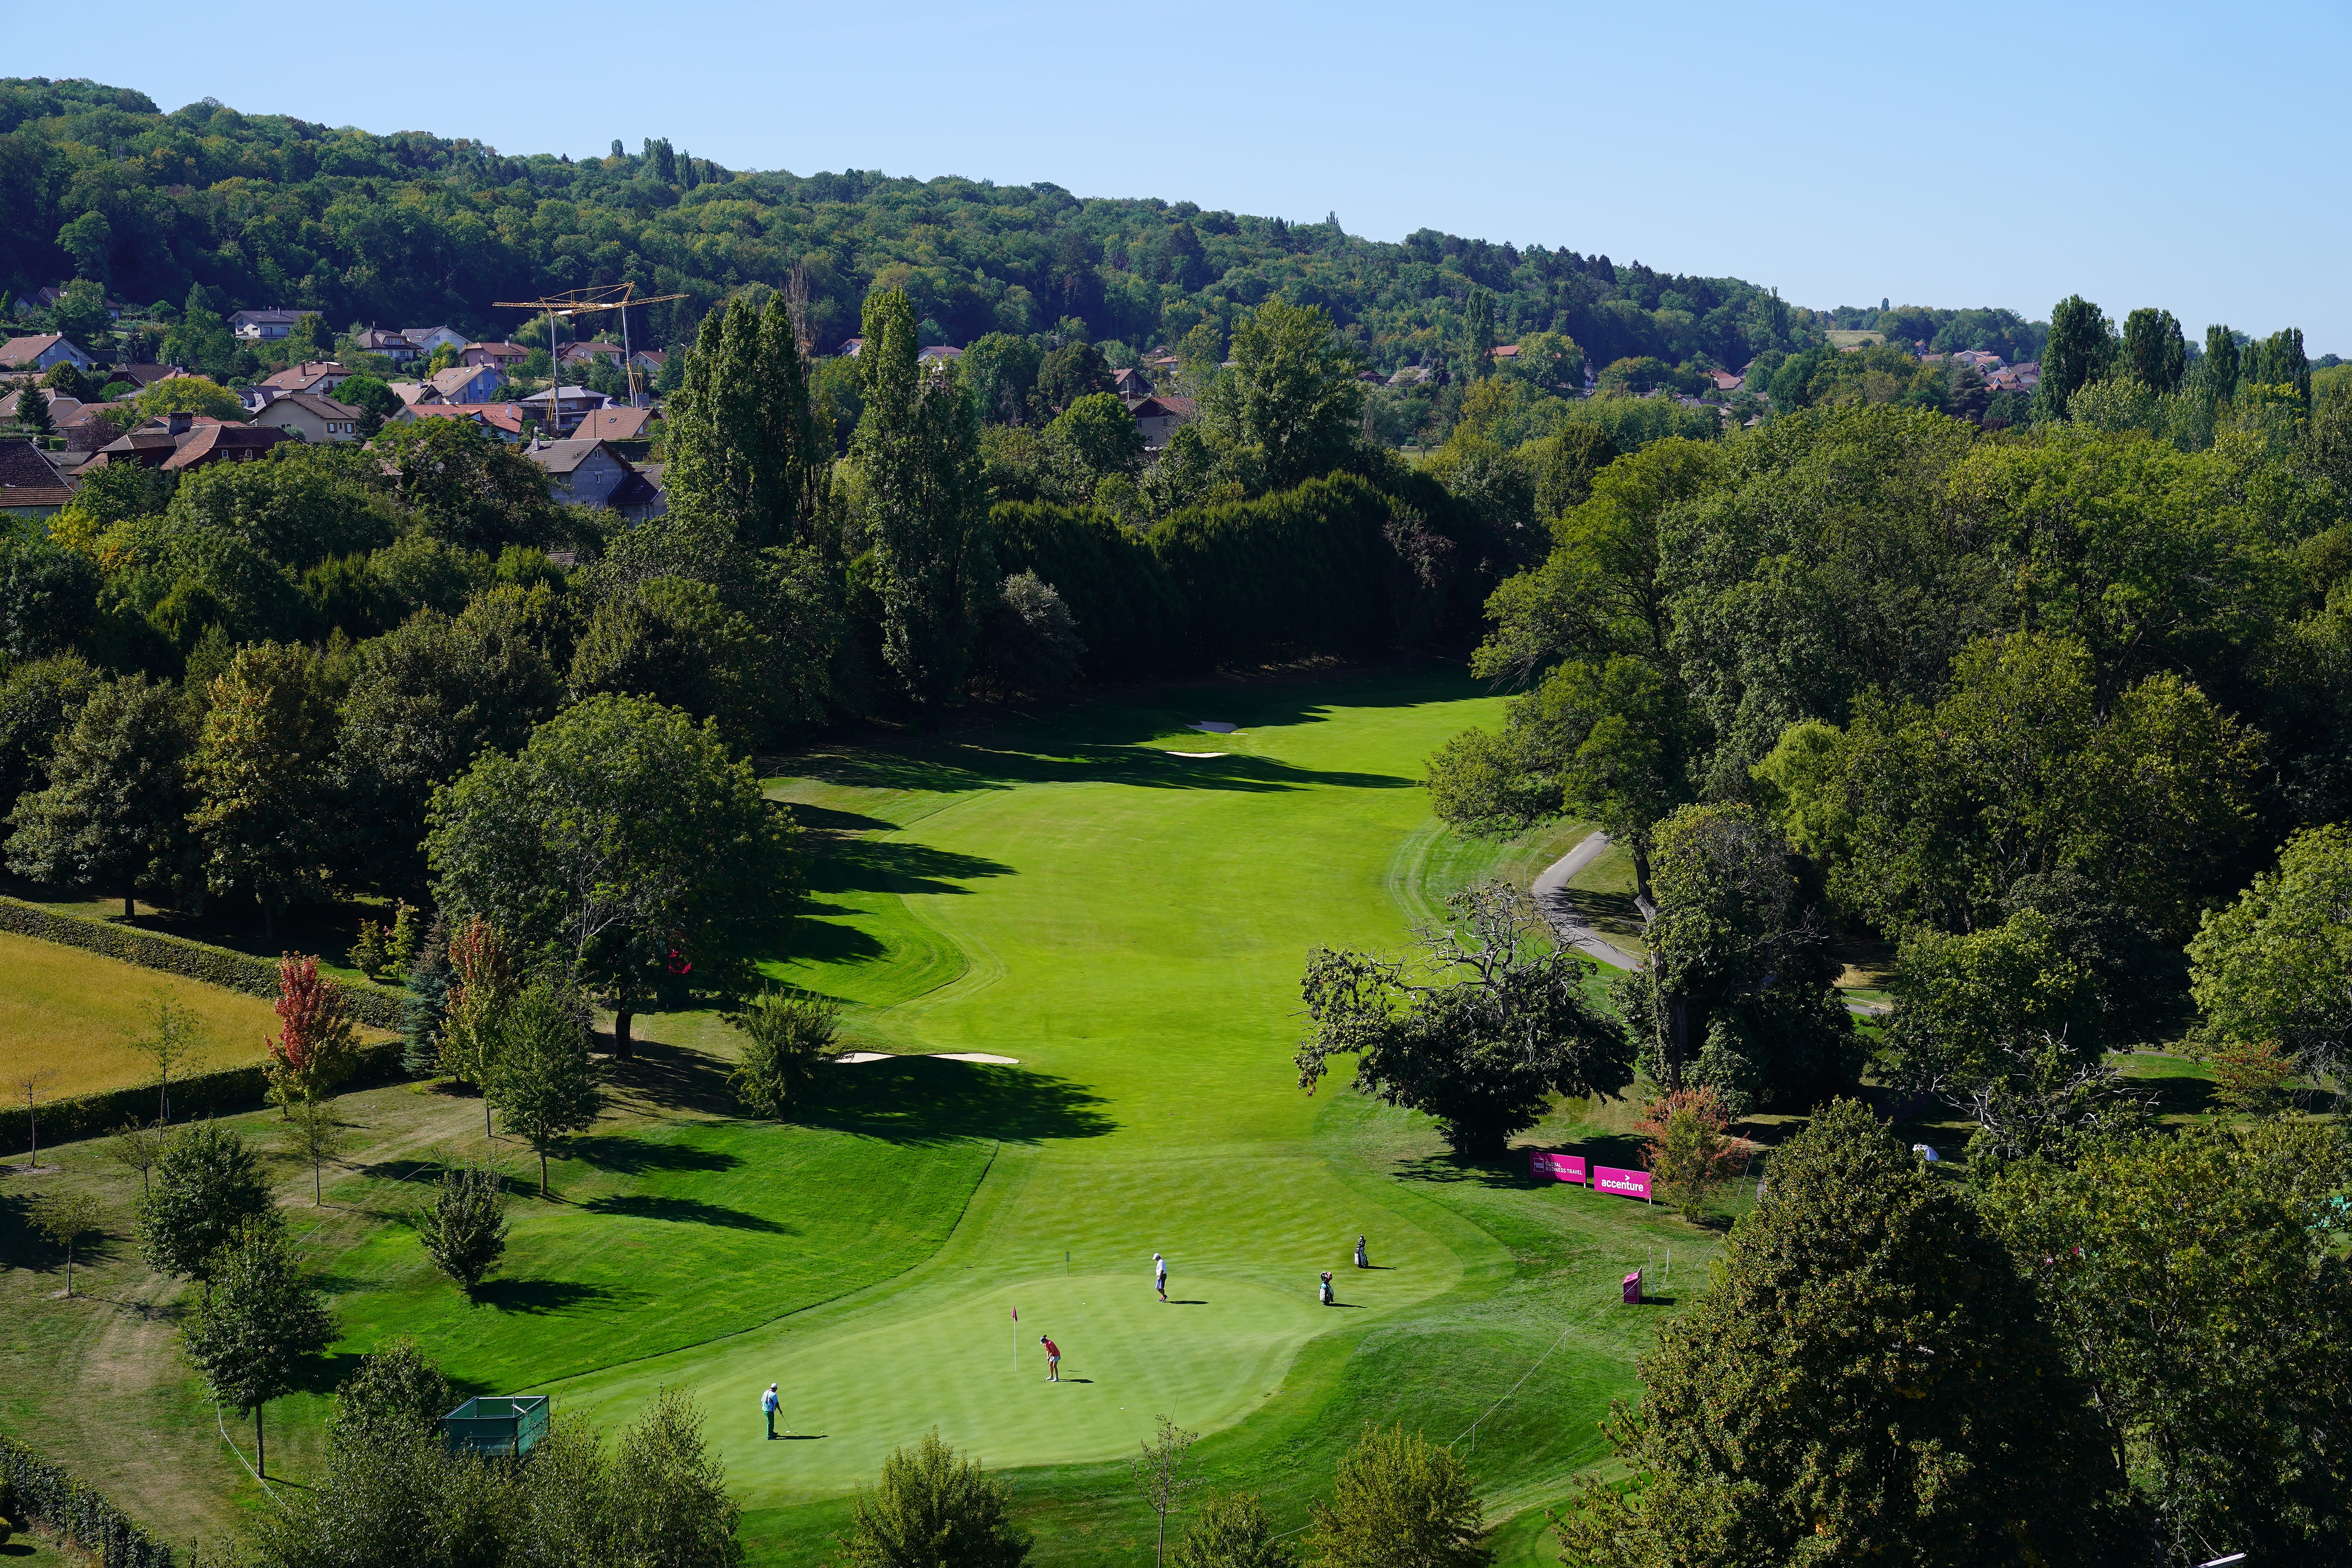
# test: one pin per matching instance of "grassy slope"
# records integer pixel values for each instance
(78, 1012)
(1130, 925)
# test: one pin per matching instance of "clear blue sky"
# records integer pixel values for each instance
(1942, 154)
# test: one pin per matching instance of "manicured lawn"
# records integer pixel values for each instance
(78, 1014)
(1129, 925)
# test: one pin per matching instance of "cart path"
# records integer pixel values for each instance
(1550, 892)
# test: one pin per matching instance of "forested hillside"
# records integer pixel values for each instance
(413, 227)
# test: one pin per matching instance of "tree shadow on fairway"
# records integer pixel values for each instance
(685, 1211)
(635, 1156)
(666, 1076)
(1112, 751)
(928, 1099)
(535, 1298)
(899, 865)
(1510, 1173)
(826, 819)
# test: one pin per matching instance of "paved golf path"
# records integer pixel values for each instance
(1550, 892)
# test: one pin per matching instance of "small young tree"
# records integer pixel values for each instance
(404, 941)
(315, 1134)
(668, 1505)
(256, 1326)
(64, 1218)
(398, 1394)
(483, 984)
(932, 1508)
(32, 1082)
(367, 954)
(1401, 1502)
(464, 1230)
(170, 1040)
(1159, 1473)
(1691, 1152)
(2250, 1076)
(207, 1186)
(136, 1148)
(1230, 1530)
(788, 1045)
(1491, 1022)
(540, 1079)
(312, 1051)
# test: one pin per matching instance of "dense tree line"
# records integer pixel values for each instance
(258, 209)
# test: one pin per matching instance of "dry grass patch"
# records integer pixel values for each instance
(79, 1013)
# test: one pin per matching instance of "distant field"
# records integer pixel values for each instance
(78, 1014)
(1853, 338)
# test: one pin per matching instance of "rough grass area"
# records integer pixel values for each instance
(77, 1014)
(1129, 924)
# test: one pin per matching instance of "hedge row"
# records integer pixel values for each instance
(377, 1006)
(199, 1094)
(41, 1494)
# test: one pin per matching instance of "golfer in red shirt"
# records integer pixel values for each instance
(1053, 1359)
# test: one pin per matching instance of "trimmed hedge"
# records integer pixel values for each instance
(199, 1094)
(41, 1494)
(378, 1007)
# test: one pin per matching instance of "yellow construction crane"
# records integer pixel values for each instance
(584, 302)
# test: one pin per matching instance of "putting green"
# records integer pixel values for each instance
(1130, 924)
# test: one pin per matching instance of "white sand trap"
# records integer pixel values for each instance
(1199, 753)
(852, 1057)
(1214, 727)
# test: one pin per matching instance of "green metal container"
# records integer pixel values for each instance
(496, 1423)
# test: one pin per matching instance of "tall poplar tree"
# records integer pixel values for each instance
(2222, 360)
(2082, 345)
(2153, 349)
(918, 446)
(746, 446)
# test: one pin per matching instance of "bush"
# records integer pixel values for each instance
(789, 1041)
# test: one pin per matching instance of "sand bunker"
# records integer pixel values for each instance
(1199, 753)
(853, 1057)
(1213, 727)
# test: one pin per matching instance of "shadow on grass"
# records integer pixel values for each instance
(635, 1156)
(926, 1099)
(1511, 1174)
(531, 1298)
(684, 1211)
(669, 1077)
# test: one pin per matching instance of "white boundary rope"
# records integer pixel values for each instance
(222, 1423)
(1470, 1431)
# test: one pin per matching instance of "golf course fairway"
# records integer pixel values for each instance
(1129, 925)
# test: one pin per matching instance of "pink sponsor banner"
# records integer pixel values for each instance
(1625, 1183)
(1559, 1167)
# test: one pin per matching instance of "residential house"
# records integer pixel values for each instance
(143, 376)
(560, 409)
(1726, 380)
(1413, 375)
(264, 326)
(592, 473)
(41, 351)
(315, 418)
(1503, 353)
(95, 425)
(587, 353)
(505, 419)
(1130, 385)
(938, 354)
(427, 339)
(616, 423)
(414, 391)
(30, 485)
(384, 340)
(502, 354)
(649, 362)
(320, 377)
(1157, 419)
(178, 442)
(61, 407)
(849, 347)
(468, 384)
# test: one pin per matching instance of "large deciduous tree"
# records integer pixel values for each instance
(625, 846)
(1867, 1379)
(2196, 1287)
(747, 448)
(115, 813)
(1478, 1031)
(1291, 408)
(206, 1185)
(2277, 964)
(265, 813)
(918, 452)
